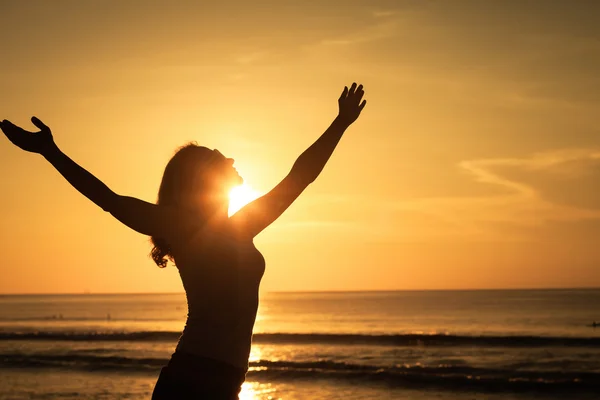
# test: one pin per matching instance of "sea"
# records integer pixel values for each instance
(476, 344)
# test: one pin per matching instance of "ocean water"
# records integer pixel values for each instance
(514, 344)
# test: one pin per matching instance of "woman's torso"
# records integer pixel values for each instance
(221, 275)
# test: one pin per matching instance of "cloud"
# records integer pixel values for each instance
(251, 57)
(383, 13)
(568, 179)
(382, 29)
(533, 186)
(572, 163)
(531, 206)
(481, 170)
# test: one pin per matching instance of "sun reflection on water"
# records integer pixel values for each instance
(258, 391)
(255, 354)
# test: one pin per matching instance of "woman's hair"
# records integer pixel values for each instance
(178, 180)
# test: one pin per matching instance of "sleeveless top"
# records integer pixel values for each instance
(221, 281)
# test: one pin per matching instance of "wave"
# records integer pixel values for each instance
(442, 376)
(107, 317)
(152, 336)
(326, 338)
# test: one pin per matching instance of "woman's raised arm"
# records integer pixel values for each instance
(143, 217)
(256, 216)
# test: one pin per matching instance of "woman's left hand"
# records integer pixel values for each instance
(35, 142)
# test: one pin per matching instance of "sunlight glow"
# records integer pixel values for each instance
(247, 393)
(240, 196)
(258, 391)
(255, 354)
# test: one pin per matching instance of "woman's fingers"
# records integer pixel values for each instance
(9, 127)
(355, 92)
(39, 123)
(7, 124)
(10, 131)
(344, 93)
(352, 89)
(351, 101)
(359, 94)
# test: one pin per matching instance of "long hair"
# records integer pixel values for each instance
(178, 180)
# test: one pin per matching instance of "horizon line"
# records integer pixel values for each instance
(315, 291)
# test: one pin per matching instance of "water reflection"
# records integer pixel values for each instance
(255, 354)
(258, 391)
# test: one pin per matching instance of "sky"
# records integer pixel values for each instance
(476, 163)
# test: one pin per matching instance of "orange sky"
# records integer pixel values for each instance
(476, 163)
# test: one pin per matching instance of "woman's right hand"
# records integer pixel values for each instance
(350, 103)
(35, 142)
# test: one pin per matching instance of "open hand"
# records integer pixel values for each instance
(35, 142)
(350, 103)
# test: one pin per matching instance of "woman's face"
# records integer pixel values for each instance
(225, 171)
(217, 176)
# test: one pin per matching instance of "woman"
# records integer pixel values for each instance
(219, 266)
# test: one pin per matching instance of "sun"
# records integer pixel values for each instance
(240, 196)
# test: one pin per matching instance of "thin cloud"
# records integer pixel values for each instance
(251, 57)
(380, 30)
(383, 13)
(523, 205)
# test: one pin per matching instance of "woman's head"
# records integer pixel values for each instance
(197, 179)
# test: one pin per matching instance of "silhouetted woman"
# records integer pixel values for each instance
(219, 266)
